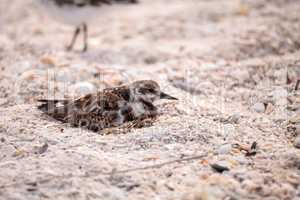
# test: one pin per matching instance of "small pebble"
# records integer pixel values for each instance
(228, 131)
(169, 174)
(234, 118)
(241, 160)
(47, 61)
(297, 129)
(259, 107)
(280, 93)
(225, 149)
(249, 185)
(204, 192)
(297, 142)
(242, 75)
(3, 101)
(219, 168)
(253, 150)
(295, 119)
(150, 60)
(41, 149)
(31, 189)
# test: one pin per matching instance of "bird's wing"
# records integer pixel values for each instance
(97, 103)
(90, 104)
(96, 111)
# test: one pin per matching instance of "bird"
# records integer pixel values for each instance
(108, 108)
(79, 13)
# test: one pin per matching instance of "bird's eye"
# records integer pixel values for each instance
(147, 90)
(151, 90)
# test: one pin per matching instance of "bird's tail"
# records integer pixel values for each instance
(55, 108)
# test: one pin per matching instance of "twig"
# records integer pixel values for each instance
(288, 79)
(114, 171)
(157, 165)
(297, 84)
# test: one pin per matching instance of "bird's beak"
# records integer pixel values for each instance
(166, 96)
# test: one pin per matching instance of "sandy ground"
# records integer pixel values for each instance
(233, 65)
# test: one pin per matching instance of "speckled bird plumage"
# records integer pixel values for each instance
(109, 108)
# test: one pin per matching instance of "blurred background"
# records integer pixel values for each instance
(172, 37)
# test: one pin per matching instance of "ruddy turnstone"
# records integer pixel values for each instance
(110, 108)
(79, 13)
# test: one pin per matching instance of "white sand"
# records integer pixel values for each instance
(224, 60)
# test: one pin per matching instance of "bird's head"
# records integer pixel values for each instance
(149, 91)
